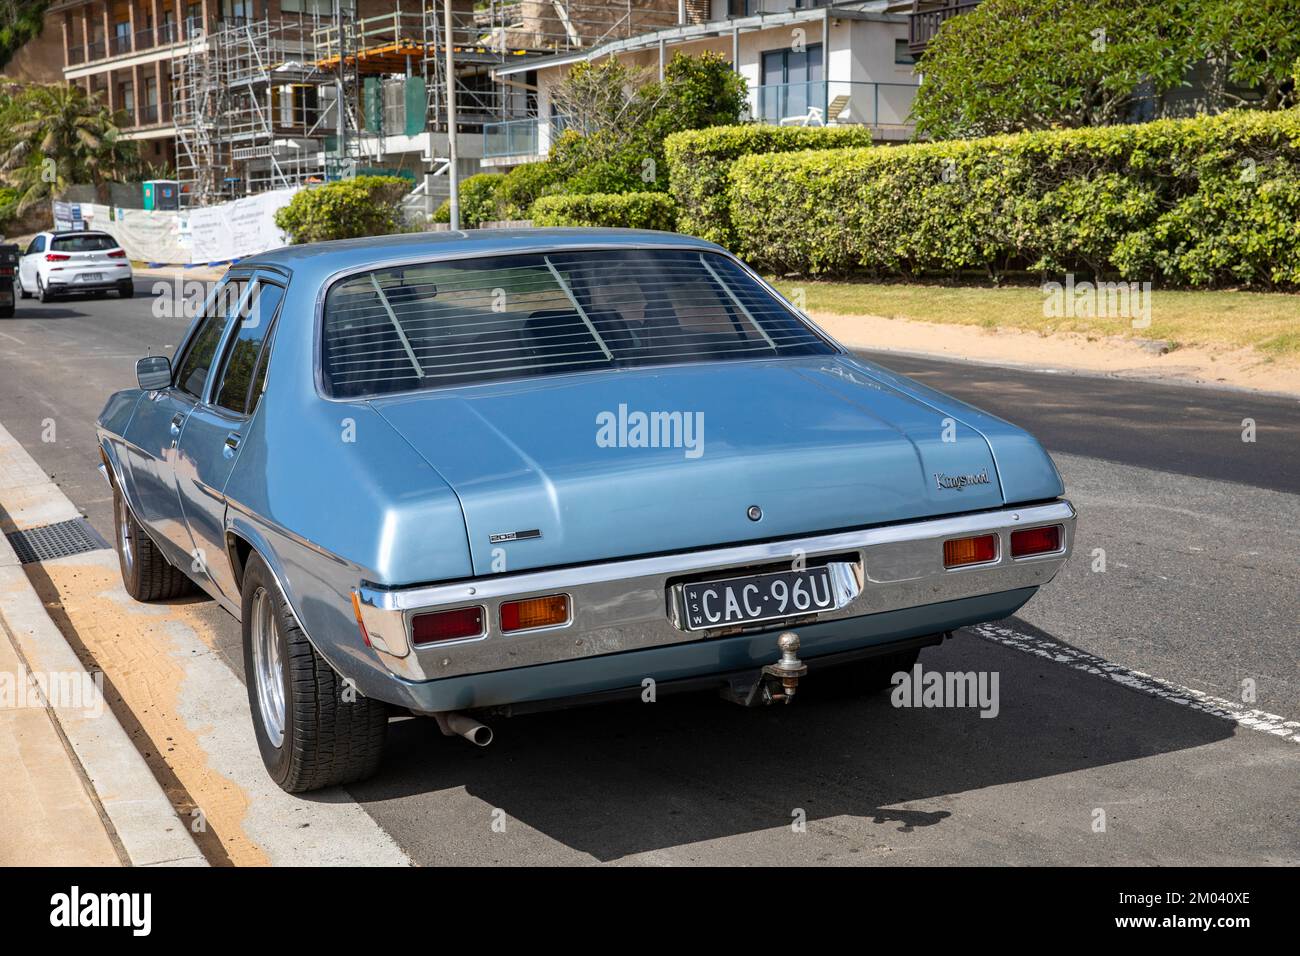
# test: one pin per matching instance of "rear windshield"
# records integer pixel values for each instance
(476, 320)
(93, 243)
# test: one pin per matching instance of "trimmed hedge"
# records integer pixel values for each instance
(699, 164)
(623, 210)
(347, 209)
(1206, 201)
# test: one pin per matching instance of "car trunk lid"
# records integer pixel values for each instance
(573, 469)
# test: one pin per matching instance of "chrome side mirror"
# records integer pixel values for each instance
(153, 372)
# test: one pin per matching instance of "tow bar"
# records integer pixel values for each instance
(777, 682)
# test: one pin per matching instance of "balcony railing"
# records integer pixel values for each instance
(852, 103)
(922, 25)
(532, 136)
(76, 54)
(121, 43)
(149, 115)
(95, 50)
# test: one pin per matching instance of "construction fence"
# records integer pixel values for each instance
(201, 236)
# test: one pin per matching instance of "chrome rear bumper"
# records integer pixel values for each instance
(633, 604)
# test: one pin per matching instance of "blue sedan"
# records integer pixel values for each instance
(473, 474)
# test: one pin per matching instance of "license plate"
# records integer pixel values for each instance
(759, 597)
(91, 277)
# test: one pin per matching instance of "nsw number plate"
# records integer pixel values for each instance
(92, 277)
(760, 597)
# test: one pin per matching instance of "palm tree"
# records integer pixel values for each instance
(67, 137)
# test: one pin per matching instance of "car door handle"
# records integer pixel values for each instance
(232, 444)
(177, 420)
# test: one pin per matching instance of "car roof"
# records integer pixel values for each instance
(319, 260)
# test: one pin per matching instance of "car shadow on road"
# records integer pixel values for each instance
(628, 778)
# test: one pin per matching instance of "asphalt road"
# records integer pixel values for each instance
(1185, 569)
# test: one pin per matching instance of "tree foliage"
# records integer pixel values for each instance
(618, 118)
(54, 136)
(1013, 65)
(20, 21)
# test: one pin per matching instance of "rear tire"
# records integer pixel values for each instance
(310, 735)
(22, 290)
(43, 294)
(125, 290)
(146, 574)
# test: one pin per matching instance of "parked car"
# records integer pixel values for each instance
(467, 474)
(65, 263)
(8, 278)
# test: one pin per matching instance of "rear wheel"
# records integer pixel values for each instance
(313, 728)
(126, 289)
(42, 293)
(22, 290)
(146, 574)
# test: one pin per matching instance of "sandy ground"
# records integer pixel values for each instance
(1109, 355)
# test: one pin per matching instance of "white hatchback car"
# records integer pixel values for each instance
(61, 263)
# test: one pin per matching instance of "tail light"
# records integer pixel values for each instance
(56, 257)
(537, 612)
(6, 272)
(977, 550)
(1036, 541)
(442, 626)
(117, 254)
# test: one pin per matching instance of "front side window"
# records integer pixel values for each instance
(38, 245)
(192, 372)
(518, 316)
(235, 393)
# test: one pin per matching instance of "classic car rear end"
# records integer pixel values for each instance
(493, 473)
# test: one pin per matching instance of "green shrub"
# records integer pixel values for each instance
(522, 186)
(478, 202)
(699, 162)
(623, 210)
(1197, 202)
(364, 206)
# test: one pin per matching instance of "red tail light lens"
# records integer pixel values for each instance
(117, 254)
(535, 612)
(978, 550)
(56, 257)
(447, 625)
(1035, 541)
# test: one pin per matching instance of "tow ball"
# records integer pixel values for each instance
(785, 673)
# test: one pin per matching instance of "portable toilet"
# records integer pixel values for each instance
(162, 194)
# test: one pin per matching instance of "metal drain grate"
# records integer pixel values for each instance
(55, 541)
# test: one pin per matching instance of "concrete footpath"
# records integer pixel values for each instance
(74, 790)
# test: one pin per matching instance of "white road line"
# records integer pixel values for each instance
(12, 338)
(1259, 720)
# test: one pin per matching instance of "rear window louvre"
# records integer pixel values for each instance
(478, 320)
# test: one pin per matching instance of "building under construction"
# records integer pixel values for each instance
(319, 89)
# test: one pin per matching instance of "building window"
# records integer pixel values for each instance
(903, 53)
(126, 98)
(791, 83)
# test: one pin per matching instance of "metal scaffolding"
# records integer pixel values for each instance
(262, 104)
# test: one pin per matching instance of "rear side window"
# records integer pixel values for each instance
(91, 243)
(192, 372)
(477, 320)
(235, 391)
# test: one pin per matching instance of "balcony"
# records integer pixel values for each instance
(520, 140)
(885, 106)
(928, 15)
(121, 43)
